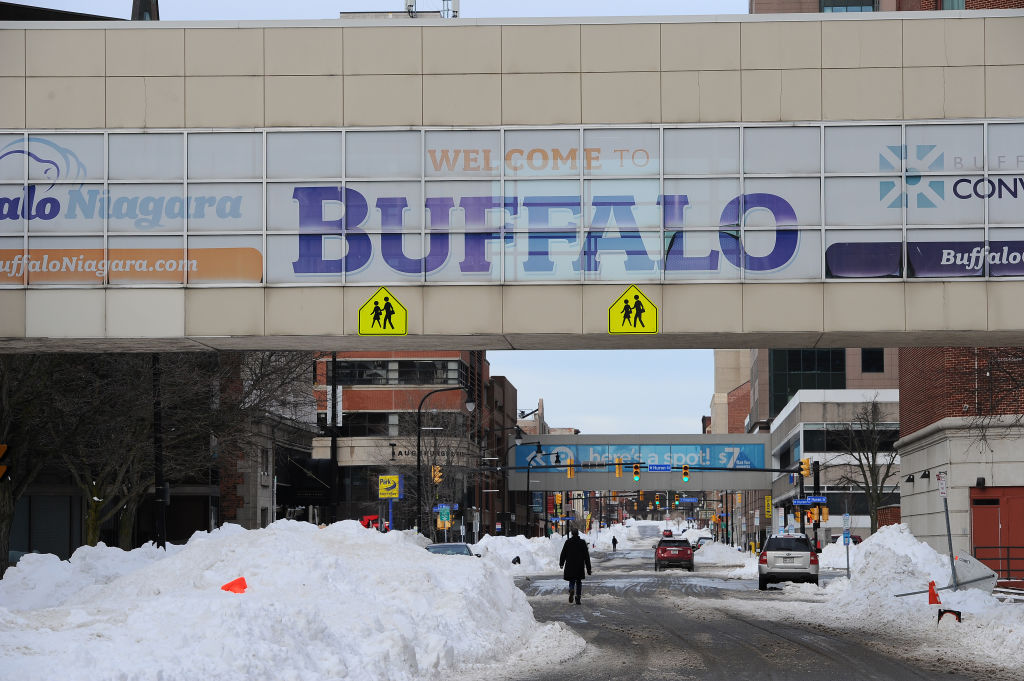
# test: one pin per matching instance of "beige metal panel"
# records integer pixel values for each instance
(224, 312)
(146, 52)
(383, 100)
(780, 44)
(864, 306)
(854, 44)
(302, 51)
(64, 313)
(12, 314)
(304, 100)
(964, 92)
(924, 92)
(801, 95)
(64, 102)
(700, 47)
(380, 50)
(468, 99)
(411, 297)
(540, 49)
(795, 307)
(461, 309)
(146, 102)
(622, 47)
(621, 97)
(542, 309)
(719, 96)
(12, 53)
(461, 49)
(762, 95)
(541, 99)
(145, 313)
(1004, 40)
(72, 52)
(703, 308)
(1004, 308)
(598, 298)
(1004, 95)
(313, 311)
(12, 104)
(944, 42)
(934, 306)
(861, 94)
(223, 52)
(224, 101)
(680, 97)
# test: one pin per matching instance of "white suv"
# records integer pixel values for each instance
(787, 557)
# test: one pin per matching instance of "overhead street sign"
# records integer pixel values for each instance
(802, 502)
(688, 500)
(818, 500)
(659, 467)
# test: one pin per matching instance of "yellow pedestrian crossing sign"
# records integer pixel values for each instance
(383, 315)
(633, 312)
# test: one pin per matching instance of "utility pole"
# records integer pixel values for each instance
(332, 513)
(817, 492)
(159, 491)
(799, 510)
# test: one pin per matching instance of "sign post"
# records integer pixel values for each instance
(846, 541)
(943, 490)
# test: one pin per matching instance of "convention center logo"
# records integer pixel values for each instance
(47, 161)
(920, 192)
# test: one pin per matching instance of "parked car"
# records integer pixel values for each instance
(673, 552)
(701, 541)
(452, 549)
(787, 557)
(666, 533)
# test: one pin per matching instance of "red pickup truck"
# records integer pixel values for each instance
(672, 552)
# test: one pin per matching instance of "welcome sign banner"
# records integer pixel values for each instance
(516, 205)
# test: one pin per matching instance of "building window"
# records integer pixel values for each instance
(265, 461)
(803, 369)
(952, 4)
(400, 372)
(823, 438)
(364, 424)
(850, 6)
(374, 372)
(872, 360)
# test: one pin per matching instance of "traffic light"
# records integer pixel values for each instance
(739, 497)
(636, 474)
(570, 470)
(3, 467)
(824, 514)
(558, 497)
(812, 515)
(805, 467)
(641, 494)
(677, 500)
(435, 474)
(686, 473)
(618, 467)
(615, 495)
(657, 501)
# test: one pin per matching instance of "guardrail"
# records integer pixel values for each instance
(1007, 561)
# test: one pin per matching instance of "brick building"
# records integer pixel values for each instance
(962, 416)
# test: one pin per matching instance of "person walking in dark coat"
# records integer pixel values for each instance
(615, 543)
(574, 558)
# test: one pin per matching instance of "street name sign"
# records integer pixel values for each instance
(659, 467)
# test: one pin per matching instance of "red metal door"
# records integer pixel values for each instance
(985, 530)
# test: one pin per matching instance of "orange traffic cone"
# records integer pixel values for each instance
(933, 595)
(239, 586)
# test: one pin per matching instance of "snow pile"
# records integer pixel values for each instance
(714, 553)
(538, 554)
(339, 602)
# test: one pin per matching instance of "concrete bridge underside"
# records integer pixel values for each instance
(528, 317)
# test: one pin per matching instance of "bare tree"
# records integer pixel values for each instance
(868, 459)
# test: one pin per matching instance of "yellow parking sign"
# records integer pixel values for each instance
(388, 487)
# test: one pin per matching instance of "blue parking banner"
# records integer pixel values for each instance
(732, 456)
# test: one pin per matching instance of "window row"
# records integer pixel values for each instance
(512, 204)
(712, 255)
(565, 152)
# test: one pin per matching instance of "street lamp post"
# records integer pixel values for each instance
(419, 466)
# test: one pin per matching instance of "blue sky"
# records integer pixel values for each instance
(597, 391)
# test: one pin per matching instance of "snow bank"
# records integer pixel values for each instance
(341, 602)
(538, 554)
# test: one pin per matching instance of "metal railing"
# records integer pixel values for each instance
(1007, 561)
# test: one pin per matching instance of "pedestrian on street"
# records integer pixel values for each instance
(615, 543)
(574, 558)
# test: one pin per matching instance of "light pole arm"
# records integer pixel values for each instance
(419, 465)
